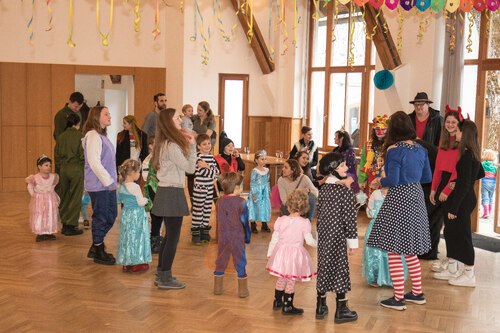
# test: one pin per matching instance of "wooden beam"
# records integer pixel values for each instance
(257, 43)
(384, 43)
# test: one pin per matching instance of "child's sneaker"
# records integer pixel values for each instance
(418, 299)
(264, 227)
(196, 236)
(440, 265)
(463, 281)
(86, 224)
(446, 275)
(253, 227)
(40, 238)
(50, 237)
(392, 303)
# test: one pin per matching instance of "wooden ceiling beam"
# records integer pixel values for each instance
(258, 44)
(386, 48)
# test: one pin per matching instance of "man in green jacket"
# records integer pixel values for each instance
(73, 106)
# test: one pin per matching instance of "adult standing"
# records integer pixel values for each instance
(344, 147)
(160, 103)
(69, 160)
(460, 205)
(204, 121)
(131, 142)
(100, 181)
(401, 226)
(428, 125)
(306, 144)
(174, 154)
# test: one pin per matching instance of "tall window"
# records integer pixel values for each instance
(340, 70)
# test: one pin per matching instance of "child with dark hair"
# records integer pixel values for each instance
(287, 258)
(234, 232)
(134, 251)
(337, 236)
(44, 212)
(204, 175)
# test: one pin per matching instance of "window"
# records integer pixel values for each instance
(339, 74)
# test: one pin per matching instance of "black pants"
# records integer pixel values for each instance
(168, 246)
(155, 220)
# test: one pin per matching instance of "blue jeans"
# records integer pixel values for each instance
(488, 192)
(105, 210)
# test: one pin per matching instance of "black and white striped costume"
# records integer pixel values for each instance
(203, 191)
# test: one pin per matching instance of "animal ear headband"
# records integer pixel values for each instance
(458, 112)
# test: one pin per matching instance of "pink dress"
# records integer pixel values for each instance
(44, 204)
(289, 258)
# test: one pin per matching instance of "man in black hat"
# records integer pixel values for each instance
(428, 123)
(426, 120)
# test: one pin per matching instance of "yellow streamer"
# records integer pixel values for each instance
(352, 24)
(181, 6)
(137, 16)
(316, 15)
(469, 36)
(295, 23)
(453, 32)
(30, 22)
(400, 30)
(335, 21)
(49, 9)
(422, 26)
(70, 42)
(487, 23)
(284, 28)
(222, 32)
(104, 37)
(156, 32)
(374, 30)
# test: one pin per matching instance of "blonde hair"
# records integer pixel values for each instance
(186, 107)
(259, 154)
(134, 129)
(297, 202)
(229, 180)
(128, 167)
(489, 155)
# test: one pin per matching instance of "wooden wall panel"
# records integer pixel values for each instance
(39, 97)
(14, 184)
(147, 83)
(1, 156)
(13, 94)
(62, 83)
(14, 151)
(39, 141)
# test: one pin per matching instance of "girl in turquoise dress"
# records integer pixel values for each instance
(375, 261)
(259, 205)
(134, 248)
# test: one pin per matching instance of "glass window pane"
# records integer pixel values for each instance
(319, 46)
(340, 38)
(492, 123)
(469, 91)
(233, 110)
(345, 101)
(317, 106)
(359, 39)
(474, 37)
(494, 36)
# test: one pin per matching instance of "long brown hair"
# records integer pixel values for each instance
(134, 129)
(469, 140)
(295, 167)
(94, 121)
(400, 129)
(166, 131)
(444, 141)
(206, 107)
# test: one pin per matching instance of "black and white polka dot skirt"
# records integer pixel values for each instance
(402, 225)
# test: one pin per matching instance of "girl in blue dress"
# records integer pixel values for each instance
(259, 205)
(134, 248)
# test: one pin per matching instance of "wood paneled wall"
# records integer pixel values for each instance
(31, 95)
(273, 133)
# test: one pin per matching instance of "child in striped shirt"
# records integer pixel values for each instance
(205, 174)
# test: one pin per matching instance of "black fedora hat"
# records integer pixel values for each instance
(421, 97)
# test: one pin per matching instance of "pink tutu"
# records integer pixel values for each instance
(44, 205)
(291, 262)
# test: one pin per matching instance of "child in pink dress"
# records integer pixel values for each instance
(288, 259)
(44, 204)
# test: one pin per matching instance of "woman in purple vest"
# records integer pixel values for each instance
(100, 181)
(174, 154)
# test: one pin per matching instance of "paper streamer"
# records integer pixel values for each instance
(469, 36)
(392, 4)
(438, 5)
(452, 5)
(352, 24)
(401, 19)
(466, 5)
(422, 26)
(156, 31)
(479, 5)
(423, 5)
(70, 41)
(30, 22)
(104, 37)
(50, 10)
(493, 4)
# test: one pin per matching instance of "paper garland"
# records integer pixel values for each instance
(423, 5)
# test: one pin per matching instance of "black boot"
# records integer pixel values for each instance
(102, 257)
(321, 307)
(71, 230)
(155, 244)
(253, 226)
(288, 308)
(196, 236)
(278, 299)
(343, 314)
(265, 227)
(205, 233)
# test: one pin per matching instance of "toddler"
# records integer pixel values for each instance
(488, 183)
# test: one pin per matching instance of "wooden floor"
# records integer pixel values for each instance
(52, 287)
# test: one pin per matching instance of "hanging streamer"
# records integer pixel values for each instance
(400, 30)
(352, 24)
(30, 22)
(438, 5)
(156, 31)
(225, 37)
(104, 37)
(469, 36)
(282, 23)
(137, 15)
(452, 5)
(296, 21)
(392, 4)
(49, 9)
(466, 5)
(452, 25)
(422, 26)
(205, 54)
(423, 5)
(70, 42)
(270, 31)
(374, 30)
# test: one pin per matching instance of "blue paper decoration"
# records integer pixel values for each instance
(383, 79)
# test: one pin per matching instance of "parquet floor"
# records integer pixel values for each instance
(52, 287)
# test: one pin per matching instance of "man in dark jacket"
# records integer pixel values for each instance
(428, 123)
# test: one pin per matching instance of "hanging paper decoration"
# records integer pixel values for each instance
(30, 22)
(344, 2)
(423, 5)
(282, 23)
(156, 31)
(479, 5)
(350, 58)
(438, 5)
(407, 4)
(205, 54)
(469, 36)
(466, 5)
(137, 15)
(360, 3)
(70, 42)
(104, 37)
(422, 26)
(49, 9)
(377, 3)
(452, 5)
(401, 19)
(225, 37)
(392, 4)
(451, 24)
(383, 79)
(493, 5)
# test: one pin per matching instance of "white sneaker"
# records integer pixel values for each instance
(446, 275)
(440, 265)
(463, 281)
